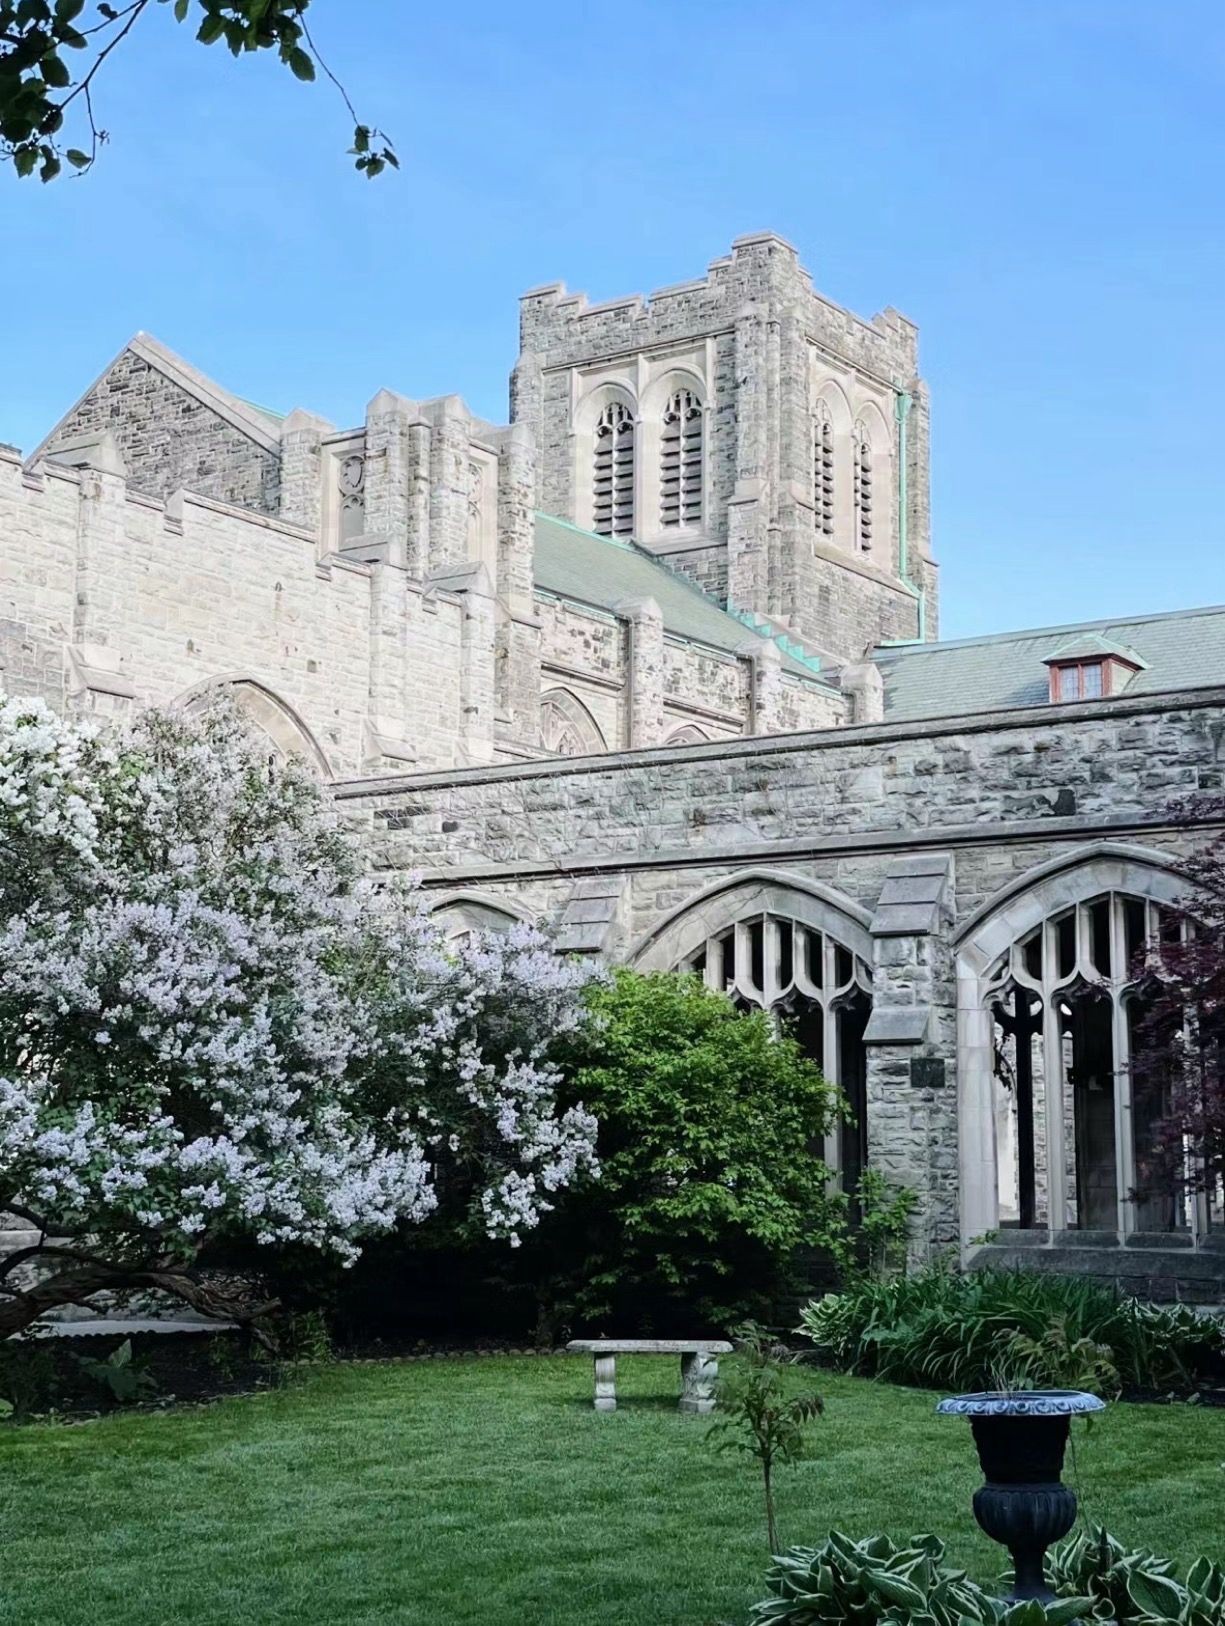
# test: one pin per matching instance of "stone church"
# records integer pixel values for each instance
(657, 664)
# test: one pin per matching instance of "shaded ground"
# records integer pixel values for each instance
(488, 1493)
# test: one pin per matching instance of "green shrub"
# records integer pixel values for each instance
(941, 1329)
(122, 1379)
(27, 1379)
(711, 1175)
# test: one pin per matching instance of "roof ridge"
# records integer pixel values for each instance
(1117, 622)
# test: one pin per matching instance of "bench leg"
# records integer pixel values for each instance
(606, 1383)
(699, 1373)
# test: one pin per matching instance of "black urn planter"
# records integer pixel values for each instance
(1024, 1505)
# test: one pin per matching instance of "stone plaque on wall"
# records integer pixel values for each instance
(927, 1072)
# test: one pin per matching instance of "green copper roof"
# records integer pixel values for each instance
(1183, 649)
(1090, 645)
(602, 571)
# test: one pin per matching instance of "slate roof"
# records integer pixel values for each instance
(1181, 649)
(601, 571)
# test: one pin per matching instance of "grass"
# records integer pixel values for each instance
(489, 1493)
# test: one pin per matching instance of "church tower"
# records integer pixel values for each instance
(757, 438)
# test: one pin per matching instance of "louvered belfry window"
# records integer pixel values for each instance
(613, 472)
(863, 490)
(823, 472)
(680, 496)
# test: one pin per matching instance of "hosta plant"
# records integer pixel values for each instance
(1135, 1586)
(861, 1583)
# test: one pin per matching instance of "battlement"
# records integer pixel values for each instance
(761, 269)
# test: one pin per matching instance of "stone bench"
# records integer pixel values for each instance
(699, 1366)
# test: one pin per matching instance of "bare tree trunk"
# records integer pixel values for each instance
(81, 1283)
(771, 1524)
(75, 1286)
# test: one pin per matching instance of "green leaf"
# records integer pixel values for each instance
(211, 29)
(181, 8)
(66, 10)
(1064, 1610)
(300, 64)
(1155, 1595)
(55, 73)
(893, 1589)
(77, 158)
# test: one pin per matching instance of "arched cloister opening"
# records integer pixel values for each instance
(285, 731)
(1054, 1130)
(567, 728)
(800, 952)
(460, 914)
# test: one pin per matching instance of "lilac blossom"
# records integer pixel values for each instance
(212, 1023)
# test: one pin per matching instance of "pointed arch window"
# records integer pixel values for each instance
(680, 465)
(823, 487)
(820, 989)
(613, 472)
(567, 728)
(863, 494)
(1072, 1129)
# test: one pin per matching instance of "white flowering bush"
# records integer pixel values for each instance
(214, 1025)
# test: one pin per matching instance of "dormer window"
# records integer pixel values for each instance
(1091, 668)
(1077, 680)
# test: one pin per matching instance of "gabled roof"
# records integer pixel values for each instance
(1091, 646)
(603, 571)
(260, 423)
(1180, 649)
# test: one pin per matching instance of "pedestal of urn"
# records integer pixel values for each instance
(1021, 1438)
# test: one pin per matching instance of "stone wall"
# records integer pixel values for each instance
(110, 597)
(170, 438)
(956, 814)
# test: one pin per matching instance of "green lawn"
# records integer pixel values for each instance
(488, 1493)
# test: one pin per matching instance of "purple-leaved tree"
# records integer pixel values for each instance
(1178, 1067)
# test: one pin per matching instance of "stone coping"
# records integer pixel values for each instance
(649, 1346)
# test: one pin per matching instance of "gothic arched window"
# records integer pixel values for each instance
(1072, 1126)
(680, 461)
(862, 469)
(567, 728)
(815, 985)
(823, 470)
(613, 472)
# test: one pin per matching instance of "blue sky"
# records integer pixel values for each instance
(1040, 186)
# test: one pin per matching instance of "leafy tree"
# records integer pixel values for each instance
(1178, 1062)
(759, 1416)
(51, 52)
(213, 1028)
(712, 1177)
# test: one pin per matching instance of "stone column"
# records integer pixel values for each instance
(748, 517)
(386, 746)
(518, 650)
(389, 420)
(646, 670)
(765, 685)
(699, 1374)
(865, 688)
(911, 1039)
(476, 679)
(606, 1383)
(302, 470)
(449, 479)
